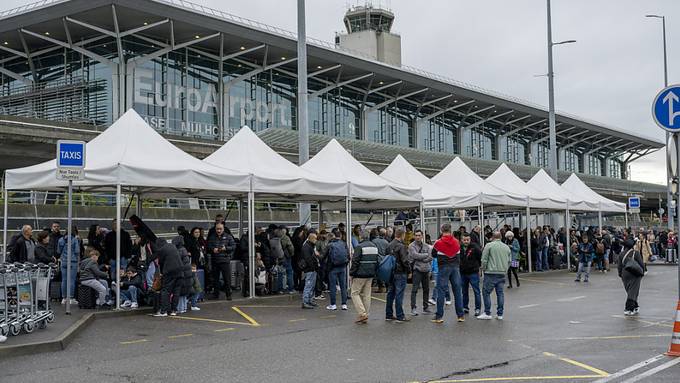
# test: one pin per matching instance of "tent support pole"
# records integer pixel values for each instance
(599, 218)
(348, 228)
(251, 242)
(118, 229)
(138, 207)
(422, 218)
(481, 224)
(320, 219)
(529, 238)
(567, 245)
(4, 226)
(240, 217)
(439, 220)
(624, 214)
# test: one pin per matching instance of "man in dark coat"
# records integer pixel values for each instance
(170, 265)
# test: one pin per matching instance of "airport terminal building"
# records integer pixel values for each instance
(68, 69)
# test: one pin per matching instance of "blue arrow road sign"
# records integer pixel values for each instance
(634, 202)
(666, 108)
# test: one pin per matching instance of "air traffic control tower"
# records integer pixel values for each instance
(369, 33)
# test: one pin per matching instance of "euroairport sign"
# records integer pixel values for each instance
(70, 160)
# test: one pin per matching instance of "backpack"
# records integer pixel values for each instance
(302, 264)
(337, 254)
(12, 243)
(276, 249)
(599, 248)
(386, 268)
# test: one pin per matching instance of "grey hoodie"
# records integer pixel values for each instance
(421, 257)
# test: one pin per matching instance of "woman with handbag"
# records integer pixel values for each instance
(631, 270)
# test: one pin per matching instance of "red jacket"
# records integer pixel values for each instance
(446, 249)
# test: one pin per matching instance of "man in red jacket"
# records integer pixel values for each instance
(447, 252)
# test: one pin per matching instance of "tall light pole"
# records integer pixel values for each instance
(302, 122)
(551, 97)
(665, 84)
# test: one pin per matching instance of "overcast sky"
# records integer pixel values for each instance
(610, 75)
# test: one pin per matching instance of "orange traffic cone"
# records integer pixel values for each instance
(674, 350)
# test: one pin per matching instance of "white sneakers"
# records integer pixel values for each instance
(448, 303)
(3, 338)
(484, 317)
(331, 307)
(160, 314)
(499, 317)
(126, 304)
(344, 307)
(195, 308)
(134, 305)
(432, 301)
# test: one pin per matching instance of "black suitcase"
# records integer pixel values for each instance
(55, 290)
(87, 297)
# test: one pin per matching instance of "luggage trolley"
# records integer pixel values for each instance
(4, 305)
(41, 277)
(20, 299)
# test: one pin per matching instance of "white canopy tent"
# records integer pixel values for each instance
(130, 154)
(362, 184)
(505, 179)
(434, 196)
(542, 181)
(574, 185)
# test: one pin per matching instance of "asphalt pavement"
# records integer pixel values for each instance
(554, 330)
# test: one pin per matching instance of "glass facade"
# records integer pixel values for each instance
(190, 93)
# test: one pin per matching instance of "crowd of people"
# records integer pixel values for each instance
(174, 277)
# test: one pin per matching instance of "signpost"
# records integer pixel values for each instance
(634, 205)
(666, 110)
(70, 167)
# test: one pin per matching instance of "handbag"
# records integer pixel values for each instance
(631, 265)
(156, 285)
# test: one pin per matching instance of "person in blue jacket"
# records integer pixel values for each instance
(585, 258)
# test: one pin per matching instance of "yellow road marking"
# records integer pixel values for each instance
(180, 336)
(297, 320)
(327, 317)
(542, 281)
(212, 320)
(379, 299)
(579, 364)
(135, 341)
(246, 316)
(225, 329)
(515, 378)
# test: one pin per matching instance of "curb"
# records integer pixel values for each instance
(65, 338)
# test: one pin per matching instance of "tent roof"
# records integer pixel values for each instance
(460, 179)
(579, 188)
(273, 175)
(434, 196)
(131, 153)
(542, 181)
(506, 180)
(337, 163)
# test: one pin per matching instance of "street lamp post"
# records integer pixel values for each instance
(665, 84)
(551, 97)
(302, 122)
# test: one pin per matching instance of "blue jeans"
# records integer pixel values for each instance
(471, 280)
(435, 290)
(182, 303)
(395, 296)
(130, 294)
(338, 275)
(194, 300)
(449, 273)
(288, 265)
(310, 284)
(494, 282)
(546, 251)
(74, 272)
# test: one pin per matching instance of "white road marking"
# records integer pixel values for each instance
(571, 299)
(527, 306)
(653, 371)
(630, 369)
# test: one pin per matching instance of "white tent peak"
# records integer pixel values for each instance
(505, 179)
(575, 185)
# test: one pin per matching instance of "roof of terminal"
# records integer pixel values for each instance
(49, 24)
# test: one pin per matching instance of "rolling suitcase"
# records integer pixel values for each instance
(670, 255)
(87, 297)
(55, 290)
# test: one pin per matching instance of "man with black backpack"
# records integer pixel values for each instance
(338, 258)
(395, 290)
(362, 271)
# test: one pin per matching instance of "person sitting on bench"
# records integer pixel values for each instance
(91, 276)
